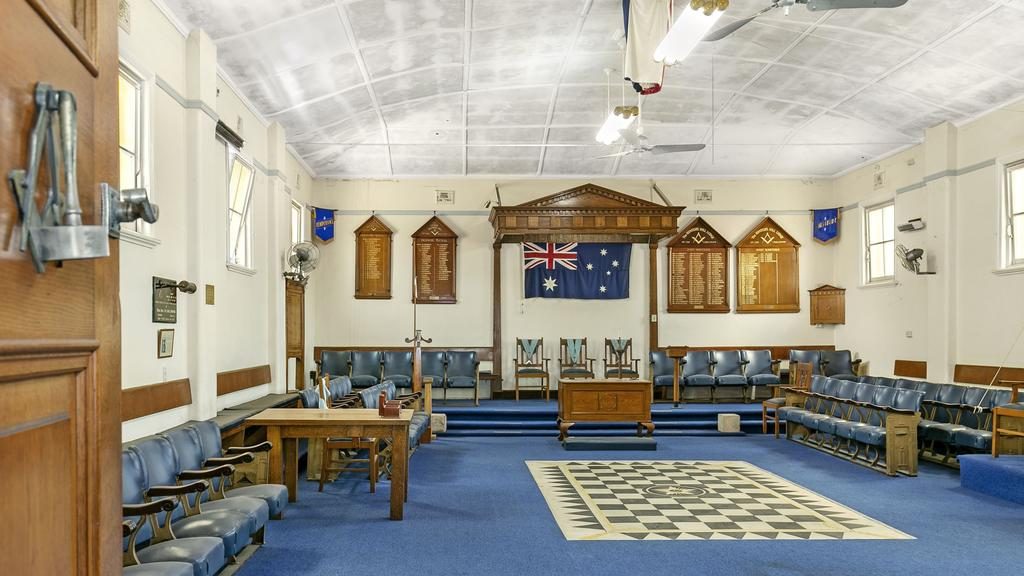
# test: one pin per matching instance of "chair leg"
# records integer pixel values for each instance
(764, 419)
(325, 457)
(547, 389)
(373, 468)
(476, 394)
(517, 387)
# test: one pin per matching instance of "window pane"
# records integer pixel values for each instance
(888, 222)
(127, 171)
(877, 269)
(1018, 237)
(127, 113)
(890, 259)
(239, 186)
(874, 226)
(234, 223)
(1017, 190)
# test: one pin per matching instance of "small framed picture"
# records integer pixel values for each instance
(165, 343)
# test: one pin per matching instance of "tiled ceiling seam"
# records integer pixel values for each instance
(467, 55)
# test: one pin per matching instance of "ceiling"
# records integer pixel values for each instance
(411, 88)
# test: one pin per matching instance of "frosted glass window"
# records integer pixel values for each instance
(1015, 211)
(131, 137)
(240, 231)
(298, 223)
(880, 240)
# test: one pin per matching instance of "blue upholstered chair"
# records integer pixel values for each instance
(335, 363)
(463, 371)
(573, 360)
(154, 568)
(729, 373)
(761, 370)
(618, 359)
(530, 364)
(365, 368)
(432, 366)
(839, 364)
(979, 438)
(204, 556)
(663, 369)
(697, 366)
(812, 357)
(398, 368)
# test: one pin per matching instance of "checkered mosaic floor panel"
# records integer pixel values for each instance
(692, 500)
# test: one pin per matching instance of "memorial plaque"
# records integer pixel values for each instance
(698, 264)
(165, 300)
(433, 263)
(767, 270)
(373, 260)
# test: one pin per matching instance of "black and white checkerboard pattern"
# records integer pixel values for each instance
(692, 500)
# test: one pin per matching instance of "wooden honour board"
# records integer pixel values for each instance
(768, 270)
(433, 263)
(698, 270)
(373, 260)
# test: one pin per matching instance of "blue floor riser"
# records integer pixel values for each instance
(474, 509)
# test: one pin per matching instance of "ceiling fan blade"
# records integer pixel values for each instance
(820, 5)
(624, 153)
(673, 148)
(728, 29)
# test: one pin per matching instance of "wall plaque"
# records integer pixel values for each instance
(433, 263)
(767, 270)
(828, 305)
(373, 260)
(165, 300)
(698, 270)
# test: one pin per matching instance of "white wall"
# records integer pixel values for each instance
(188, 180)
(407, 205)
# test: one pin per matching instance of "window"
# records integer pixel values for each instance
(240, 238)
(298, 223)
(1015, 213)
(880, 240)
(131, 138)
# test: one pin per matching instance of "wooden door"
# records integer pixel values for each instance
(60, 432)
(295, 327)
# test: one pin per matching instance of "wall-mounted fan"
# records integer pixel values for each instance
(913, 260)
(812, 5)
(301, 259)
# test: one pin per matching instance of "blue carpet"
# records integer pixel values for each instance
(1001, 477)
(475, 510)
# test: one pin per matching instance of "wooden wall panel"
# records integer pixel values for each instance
(145, 400)
(985, 375)
(235, 380)
(910, 368)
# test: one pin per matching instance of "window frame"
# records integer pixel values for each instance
(248, 266)
(869, 278)
(1010, 259)
(139, 232)
(298, 207)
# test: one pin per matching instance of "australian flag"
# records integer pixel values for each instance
(585, 271)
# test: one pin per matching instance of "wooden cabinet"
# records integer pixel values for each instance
(828, 305)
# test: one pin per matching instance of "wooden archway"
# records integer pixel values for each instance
(587, 213)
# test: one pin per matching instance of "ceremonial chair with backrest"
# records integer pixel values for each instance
(729, 373)
(335, 363)
(812, 357)
(618, 359)
(573, 361)
(697, 367)
(366, 367)
(530, 363)
(398, 368)
(432, 366)
(839, 364)
(663, 369)
(463, 371)
(761, 370)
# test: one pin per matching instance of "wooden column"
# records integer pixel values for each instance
(496, 318)
(652, 285)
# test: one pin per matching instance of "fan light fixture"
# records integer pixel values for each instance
(695, 22)
(619, 119)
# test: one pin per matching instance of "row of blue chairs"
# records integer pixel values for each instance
(715, 371)
(182, 516)
(446, 368)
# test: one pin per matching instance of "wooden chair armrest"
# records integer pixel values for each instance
(242, 458)
(147, 508)
(261, 447)
(222, 470)
(855, 362)
(182, 490)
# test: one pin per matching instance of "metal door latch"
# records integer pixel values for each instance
(55, 231)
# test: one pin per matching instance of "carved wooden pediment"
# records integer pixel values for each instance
(699, 233)
(435, 228)
(767, 233)
(585, 213)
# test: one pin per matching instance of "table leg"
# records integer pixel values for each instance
(399, 470)
(675, 383)
(276, 462)
(291, 467)
(995, 434)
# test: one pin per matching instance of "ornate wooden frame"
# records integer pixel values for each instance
(432, 236)
(374, 228)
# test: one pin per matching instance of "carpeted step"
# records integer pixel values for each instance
(584, 433)
(550, 424)
(1001, 477)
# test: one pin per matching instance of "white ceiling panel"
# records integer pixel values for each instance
(803, 93)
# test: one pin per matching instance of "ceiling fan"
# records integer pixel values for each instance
(812, 5)
(638, 145)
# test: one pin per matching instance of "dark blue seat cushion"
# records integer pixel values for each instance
(943, 432)
(663, 380)
(626, 372)
(576, 371)
(274, 495)
(847, 429)
(531, 371)
(205, 555)
(159, 569)
(363, 381)
(461, 382)
(764, 380)
(731, 380)
(231, 527)
(437, 380)
(871, 435)
(256, 510)
(400, 380)
(974, 439)
(699, 380)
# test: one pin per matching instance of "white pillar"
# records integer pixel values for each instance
(940, 156)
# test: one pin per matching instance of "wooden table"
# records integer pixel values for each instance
(606, 400)
(1007, 423)
(286, 425)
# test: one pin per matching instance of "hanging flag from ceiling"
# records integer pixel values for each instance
(323, 224)
(646, 23)
(826, 224)
(584, 271)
